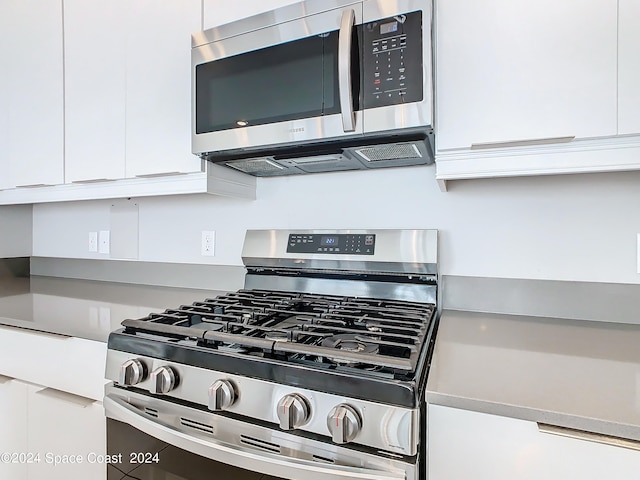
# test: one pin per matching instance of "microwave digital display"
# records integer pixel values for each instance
(388, 28)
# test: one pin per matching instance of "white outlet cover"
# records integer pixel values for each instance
(93, 241)
(104, 242)
(207, 246)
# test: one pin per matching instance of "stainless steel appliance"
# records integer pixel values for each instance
(316, 86)
(316, 369)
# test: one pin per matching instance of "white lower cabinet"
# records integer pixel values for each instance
(68, 432)
(51, 389)
(49, 434)
(464, 444)
(13, 434)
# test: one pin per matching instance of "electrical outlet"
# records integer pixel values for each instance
(208, 243)
(93, 241)
(638, 253)
(104, 242)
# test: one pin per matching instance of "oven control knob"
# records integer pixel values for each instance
(344, 423)
(163, 380)
(222, 395)
(293, 411)
(132, 372)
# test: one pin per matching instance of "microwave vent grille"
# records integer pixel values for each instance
(256, 165)
(396, 151)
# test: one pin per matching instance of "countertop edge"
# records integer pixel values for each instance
(531, 414)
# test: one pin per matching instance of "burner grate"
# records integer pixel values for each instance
(292, 326)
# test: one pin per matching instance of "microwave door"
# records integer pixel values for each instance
(289, 83)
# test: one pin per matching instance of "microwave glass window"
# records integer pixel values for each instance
(289, 81)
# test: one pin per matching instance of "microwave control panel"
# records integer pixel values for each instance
(333, 243)
(393, 60)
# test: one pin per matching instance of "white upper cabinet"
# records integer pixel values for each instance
(94, 90)
(158, 86)
(128, 88)
(5, 180)
(217, 12)
(629, 67)
(31, 99)
(516, 70)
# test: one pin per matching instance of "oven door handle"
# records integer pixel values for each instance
(270, 464)
(344, 70)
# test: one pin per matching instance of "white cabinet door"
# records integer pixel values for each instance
(94, 43)
(5, 180)
(514, 70)
(465, 444)
(158, 86)
(63, 424)
(217, 12)
(31, 142)
(629, 67)
(13, 434)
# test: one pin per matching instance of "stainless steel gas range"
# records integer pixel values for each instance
(316, 369)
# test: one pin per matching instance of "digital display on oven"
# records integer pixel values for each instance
(388, 28)
(328, 241)
(332, 244)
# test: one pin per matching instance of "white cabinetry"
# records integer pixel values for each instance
(464, 444)
(629, 67)
(39, 423)
(158, 86)
(536, 88)
(517, 70)
(217, 12)
(128, 88)
(63, 424)
(55, 407)
(31, 93)
(94, 43)
(13, 418)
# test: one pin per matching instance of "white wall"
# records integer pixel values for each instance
(569, 227)
(15, 231)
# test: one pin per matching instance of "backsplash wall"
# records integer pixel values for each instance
(566, 227)
(15, 231)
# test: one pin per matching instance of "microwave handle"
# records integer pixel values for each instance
(344, 70)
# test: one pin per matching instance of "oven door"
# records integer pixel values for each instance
(277, 83)
(153, 439)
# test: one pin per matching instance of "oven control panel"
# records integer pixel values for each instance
(333, 243)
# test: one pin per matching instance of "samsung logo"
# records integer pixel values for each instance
(296, 130)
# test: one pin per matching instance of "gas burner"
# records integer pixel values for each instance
(351, 343)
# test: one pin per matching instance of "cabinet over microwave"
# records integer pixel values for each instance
(316, 86)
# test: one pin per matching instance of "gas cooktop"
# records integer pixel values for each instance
(373, 335)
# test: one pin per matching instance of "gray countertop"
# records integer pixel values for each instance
(571, 373)
(84, 308)
(576, 374)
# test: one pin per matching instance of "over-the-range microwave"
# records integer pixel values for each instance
(316, 86)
